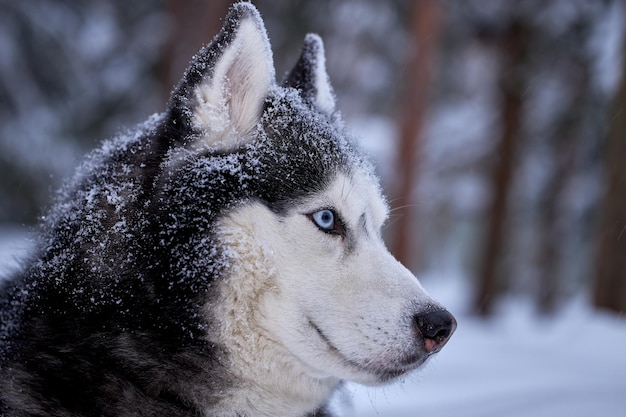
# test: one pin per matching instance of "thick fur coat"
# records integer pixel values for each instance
(223, 259)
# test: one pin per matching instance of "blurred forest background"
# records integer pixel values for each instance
(498, 126)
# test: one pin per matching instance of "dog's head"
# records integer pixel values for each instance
(268, 181)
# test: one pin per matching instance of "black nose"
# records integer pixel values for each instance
(436, 327)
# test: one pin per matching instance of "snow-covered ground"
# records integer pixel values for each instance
(573, 365)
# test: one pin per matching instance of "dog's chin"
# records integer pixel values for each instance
(371, 373)
(387, 374)
(380, 374)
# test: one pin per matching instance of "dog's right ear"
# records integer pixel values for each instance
(222, 92)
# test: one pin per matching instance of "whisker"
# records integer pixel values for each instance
(413, 205)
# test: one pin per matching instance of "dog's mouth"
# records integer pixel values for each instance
(383, 373)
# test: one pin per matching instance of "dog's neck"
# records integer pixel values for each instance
(267, 380)
(277, 390)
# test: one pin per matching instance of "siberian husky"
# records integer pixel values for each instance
(224, 259)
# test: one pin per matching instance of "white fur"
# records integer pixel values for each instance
(286, 274)
(258, 359)
(230, 101)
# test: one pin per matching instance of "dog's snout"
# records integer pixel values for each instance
(436, 327)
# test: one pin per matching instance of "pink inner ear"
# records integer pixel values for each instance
(249, 77)
(232, 99)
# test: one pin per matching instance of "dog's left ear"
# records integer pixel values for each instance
(222, 93)
(310, 77)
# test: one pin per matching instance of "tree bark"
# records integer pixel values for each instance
(192, 24)
(609, 289)
(548, 285)
(512, 88)
(563, 144)
(426, 23)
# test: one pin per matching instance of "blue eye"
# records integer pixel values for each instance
(328, 222)
(324, 219)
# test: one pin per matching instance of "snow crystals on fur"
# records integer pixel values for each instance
(142, 206)
(128, 255)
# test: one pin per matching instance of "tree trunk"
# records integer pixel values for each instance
(609, 291)
(426, 22)
(512, 87)
(550, 228)
(563, 145)
(192, 24)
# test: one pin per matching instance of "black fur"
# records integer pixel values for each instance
(303, 75)
(105, 319)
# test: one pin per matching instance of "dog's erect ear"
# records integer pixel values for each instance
(223, 90)
(310, 77)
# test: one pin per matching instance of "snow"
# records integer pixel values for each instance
(516, 364)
